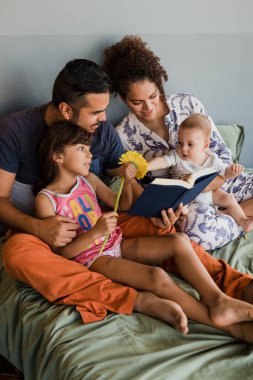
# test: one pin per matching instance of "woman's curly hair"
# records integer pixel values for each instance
(131, 60)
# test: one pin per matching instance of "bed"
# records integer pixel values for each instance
(50, 342)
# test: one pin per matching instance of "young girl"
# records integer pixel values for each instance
(191, 155)
(67, 188)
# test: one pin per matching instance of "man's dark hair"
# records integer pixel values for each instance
(79, 77)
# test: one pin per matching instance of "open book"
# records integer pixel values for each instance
(163, 193)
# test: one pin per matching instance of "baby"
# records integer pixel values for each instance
(191, 155)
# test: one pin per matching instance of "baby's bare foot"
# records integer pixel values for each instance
(247, 225)
(168, 311)
(228, 311)
(185, 211)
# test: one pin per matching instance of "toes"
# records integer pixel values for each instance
(183, 330)
(182, 325)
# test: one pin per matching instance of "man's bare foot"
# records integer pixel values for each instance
(227, 311)
(247, 225)
(168, 311)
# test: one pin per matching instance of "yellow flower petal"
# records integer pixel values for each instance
(137, 160)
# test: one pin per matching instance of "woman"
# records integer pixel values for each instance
(151, 128)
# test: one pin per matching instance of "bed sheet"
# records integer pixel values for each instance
(50, 342)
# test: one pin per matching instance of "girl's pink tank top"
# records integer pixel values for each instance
(81, 204)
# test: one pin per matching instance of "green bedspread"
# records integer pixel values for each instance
(49, 342)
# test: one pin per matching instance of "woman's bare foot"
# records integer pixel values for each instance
(227, 311)
(168, 311)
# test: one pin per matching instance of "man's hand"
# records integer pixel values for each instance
(168, 217)
(56, 231)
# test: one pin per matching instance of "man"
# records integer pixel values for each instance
(80, 95)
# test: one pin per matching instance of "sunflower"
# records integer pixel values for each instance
(137, 160)
(141, 165)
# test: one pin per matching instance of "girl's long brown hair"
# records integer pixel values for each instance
(55, 139)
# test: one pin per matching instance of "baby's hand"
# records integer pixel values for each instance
(105, 224)
(185, 177)
(237, 168)
(128, 171)
(234, 170)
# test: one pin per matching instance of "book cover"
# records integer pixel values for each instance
(162, 194)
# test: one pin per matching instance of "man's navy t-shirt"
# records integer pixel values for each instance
(21, 132)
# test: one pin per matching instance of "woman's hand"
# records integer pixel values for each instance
(128, 171)
(168, 217)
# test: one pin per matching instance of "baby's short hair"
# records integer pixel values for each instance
(198, 121)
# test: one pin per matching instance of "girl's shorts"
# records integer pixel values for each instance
(114, 252)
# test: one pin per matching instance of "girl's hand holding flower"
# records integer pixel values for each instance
(105, 224)
(133, 166)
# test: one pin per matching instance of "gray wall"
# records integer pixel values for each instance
(206, 47)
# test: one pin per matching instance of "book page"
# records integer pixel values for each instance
(171, 182)
(192, 177)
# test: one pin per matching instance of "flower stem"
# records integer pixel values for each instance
(115, 210)
(119, 194)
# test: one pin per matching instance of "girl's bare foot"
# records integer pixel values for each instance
(168, 311)
(227, 311)
(248, 293)
(242, 331)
